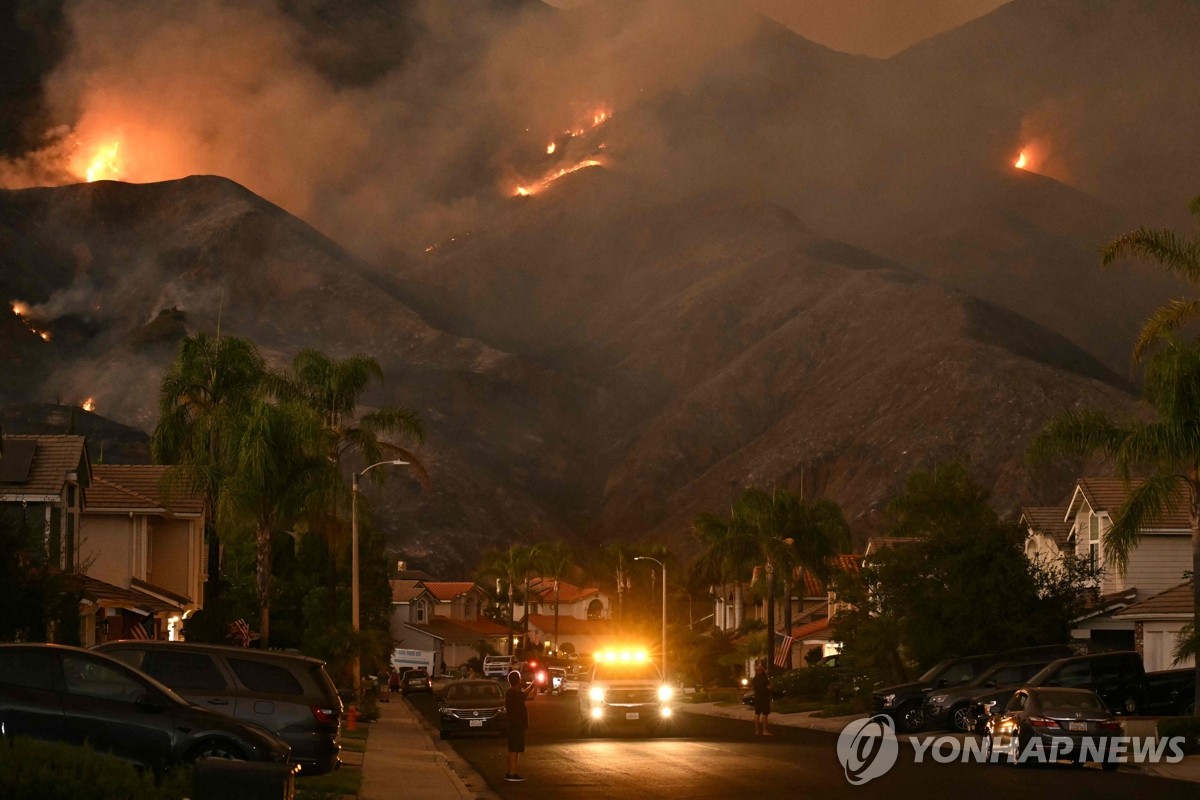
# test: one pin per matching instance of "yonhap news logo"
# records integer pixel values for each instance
(868, 748)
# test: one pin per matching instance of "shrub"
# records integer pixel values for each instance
(34, 770)
(1187, 727)
(812, 683)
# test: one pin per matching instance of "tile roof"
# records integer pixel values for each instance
(445, 591)
(138, 487)
(460, 629)
(140, 585)
(877, 542)
(543, 588)
(1048, 521)
(570, 626)
(810, 630)
(845, 562)
(1176, 601)
(106, 595)
(55, 457)
(405, 591)
(1107, 494)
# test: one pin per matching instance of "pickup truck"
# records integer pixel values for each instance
(624, 693)
(498, 666)
(1171, 693)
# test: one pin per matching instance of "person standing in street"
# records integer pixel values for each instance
(518, 722)
(762, 700)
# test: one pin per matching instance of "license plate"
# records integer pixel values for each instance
(631, 715)
(476, 723)
(1077, 726)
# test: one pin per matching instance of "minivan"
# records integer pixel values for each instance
(289, 694)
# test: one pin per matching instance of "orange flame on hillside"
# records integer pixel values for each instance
(526, 191)
(550, 148)
(105, 163)
(19, 308)
(89, 404)
(1022, 162)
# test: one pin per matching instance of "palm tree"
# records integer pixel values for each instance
(1166, 449)
(211, 384)
(553, 561)
(775, 529)
(280, 458)
(1177, 255)
(509, 566)
(333, 389)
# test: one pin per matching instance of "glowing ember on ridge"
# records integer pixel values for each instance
(104, 164)
(19, 308)
(1021, 161)
(89, 404)
(526, 191)
(550, 148)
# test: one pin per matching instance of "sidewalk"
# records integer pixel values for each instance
(401, 758)
(1186, 770)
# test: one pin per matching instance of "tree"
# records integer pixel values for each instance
(1166, 450)
(775, 529)
(210, 385)
(279, 462)
(509, 566)
(553, 561)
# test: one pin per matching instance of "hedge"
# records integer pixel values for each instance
(35, 770)
(1187, 727)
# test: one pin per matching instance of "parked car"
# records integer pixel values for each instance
(472, 706)
(571, 682)
(1118, 677)
(1171, 692)
(956, 708)
(414, 681)
(1059, 720)
(66, 694)
(498, 666)
(290, 695)
(905, 702)
(439, 683)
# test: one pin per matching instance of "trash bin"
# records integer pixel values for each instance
(226, 779)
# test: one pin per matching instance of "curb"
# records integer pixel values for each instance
(455, 766)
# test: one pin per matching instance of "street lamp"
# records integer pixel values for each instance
(663, 666)
(354, 554)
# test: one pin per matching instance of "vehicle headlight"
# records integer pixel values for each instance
(937, 701)
(888, 699)
(745, 681)
(664, 693)
(596, 694)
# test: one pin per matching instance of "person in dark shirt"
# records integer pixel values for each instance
(518, 721)
(762, 700)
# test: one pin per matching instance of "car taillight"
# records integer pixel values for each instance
(1043, 722)
(1109, 725)
(326, 716)
(541, 677)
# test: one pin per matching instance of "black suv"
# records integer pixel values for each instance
(65, 694)
(289, 695)
(905, 702)
(955, 707)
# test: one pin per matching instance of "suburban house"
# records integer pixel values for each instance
(584, 615)
(137, 538)
(1157, 622)
(45, 478)
(411, 602)
(1155, 565)
(444, 618)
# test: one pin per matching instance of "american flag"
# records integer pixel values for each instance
(783, 650)
(138, 629)
(240, 631)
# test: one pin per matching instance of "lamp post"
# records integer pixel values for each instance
(354, 555)
(663, 666)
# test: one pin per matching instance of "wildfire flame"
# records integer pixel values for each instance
(19, 308)
(1021, 161)
(104, 164)
(89, 404)
(44, 334)
(526, 191)
(550, 148)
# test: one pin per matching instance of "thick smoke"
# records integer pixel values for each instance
(385, 151)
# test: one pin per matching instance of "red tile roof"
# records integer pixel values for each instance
(405, 591)
(139, 487)
(570, 626)
(1175, 602)
(543, 588)
(53, 459)
(445, 591)
(811, 629)
(1107, 494)
(460, 630)
(846, 562)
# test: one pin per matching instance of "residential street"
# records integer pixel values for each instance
(714, 757)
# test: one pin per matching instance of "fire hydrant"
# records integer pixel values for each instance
(352, 719)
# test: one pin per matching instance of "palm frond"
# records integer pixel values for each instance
(1165, 319)
(1146, 504)
(1164, 246)
(392, 419)
(1076, 433)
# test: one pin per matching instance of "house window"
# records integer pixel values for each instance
(1094, 541)
(595, 610)
(420, 612)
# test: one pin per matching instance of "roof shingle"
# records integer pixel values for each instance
(138, 487)
(54, 459)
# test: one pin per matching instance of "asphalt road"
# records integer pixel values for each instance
(715, 757)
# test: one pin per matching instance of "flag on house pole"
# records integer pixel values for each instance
(240, 631)
(783, 650)
(137, 630)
